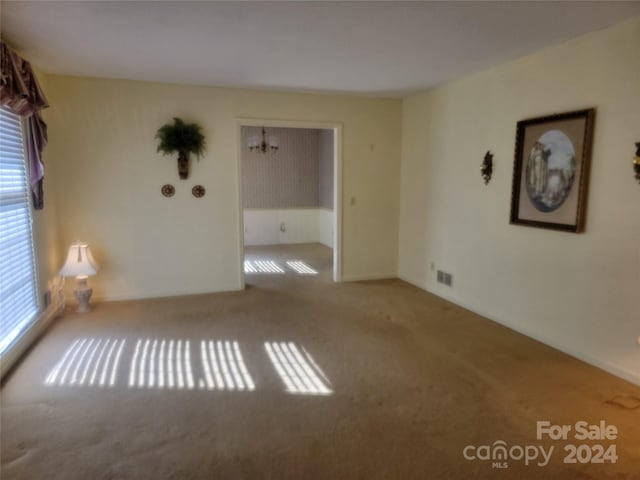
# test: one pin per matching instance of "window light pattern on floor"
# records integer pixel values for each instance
(297, 369)
(270, 266)
(160, 363)
(88, 362)
(262, 266)
(155, 363)
(301, 267)
(224, 367)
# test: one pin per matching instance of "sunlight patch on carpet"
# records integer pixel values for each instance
(224, 366)
(249, 268)
(272, 267)
(161, 363)
(297, 369)
(90, 362)
(169, 363)
(301, 267)
(262, 266)
(156, 363)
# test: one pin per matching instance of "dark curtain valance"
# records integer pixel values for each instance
(21, 93)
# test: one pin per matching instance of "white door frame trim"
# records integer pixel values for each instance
(337, 182)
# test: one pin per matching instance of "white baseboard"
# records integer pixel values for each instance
(28, 338)
(372, 276)
(120, 297)
(613, 369)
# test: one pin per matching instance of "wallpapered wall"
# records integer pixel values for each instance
(325, 173)
(298, 175)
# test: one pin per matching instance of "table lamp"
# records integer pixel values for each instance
(80, 264)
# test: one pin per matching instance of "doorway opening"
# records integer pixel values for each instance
(289, 174)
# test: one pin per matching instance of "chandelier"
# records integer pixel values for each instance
(263, 144)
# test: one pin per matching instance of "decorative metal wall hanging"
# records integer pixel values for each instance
(198, 191)
(486, 170)
(183, 138)
(636, 162)
(168, 190)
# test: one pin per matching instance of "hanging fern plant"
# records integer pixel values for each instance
(183, 138)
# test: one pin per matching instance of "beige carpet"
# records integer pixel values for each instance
(409, 381)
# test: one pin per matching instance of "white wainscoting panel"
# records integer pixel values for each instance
(304, 225)
(325, 220)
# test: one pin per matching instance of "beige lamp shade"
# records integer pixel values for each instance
(79, 262)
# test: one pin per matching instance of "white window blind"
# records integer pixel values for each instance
(18, 304)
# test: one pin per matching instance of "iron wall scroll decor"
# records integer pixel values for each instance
(168, 190)
(198, 191)
(636, 162)
(551, 171)
(486, 170)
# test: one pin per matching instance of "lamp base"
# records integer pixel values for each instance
(83, 295)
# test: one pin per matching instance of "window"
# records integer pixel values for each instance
(18, 304)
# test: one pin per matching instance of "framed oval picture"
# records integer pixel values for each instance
(551, 171)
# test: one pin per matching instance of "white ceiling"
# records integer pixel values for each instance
(372, 48)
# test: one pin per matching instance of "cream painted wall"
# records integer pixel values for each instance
(578, 293)
(109, 177)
